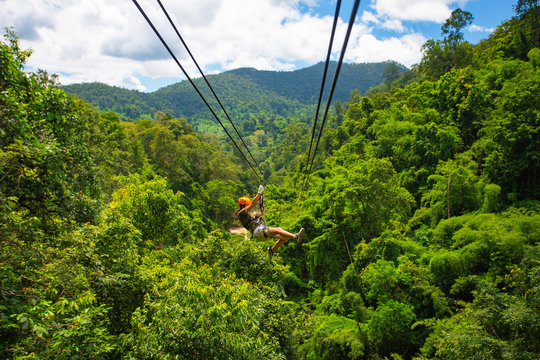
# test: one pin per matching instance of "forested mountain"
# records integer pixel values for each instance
(244, 92)
(422, 218)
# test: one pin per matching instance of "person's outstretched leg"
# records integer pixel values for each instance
(279, 233)
(283, 236)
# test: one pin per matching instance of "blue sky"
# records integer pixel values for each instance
(108, 40)
(487, 14)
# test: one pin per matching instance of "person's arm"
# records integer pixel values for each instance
(253, 202)
(255, 199)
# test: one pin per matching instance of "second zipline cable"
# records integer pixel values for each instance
(334, 83)
(207, 82)
(143, 13)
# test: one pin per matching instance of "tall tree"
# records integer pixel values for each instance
(529, 10)
(454, 24)
(452, 51)
(391, 73)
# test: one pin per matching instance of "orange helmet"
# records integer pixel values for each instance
(243, 201)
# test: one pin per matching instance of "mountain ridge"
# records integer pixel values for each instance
(243, 92)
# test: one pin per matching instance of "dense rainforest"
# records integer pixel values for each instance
(422, 218)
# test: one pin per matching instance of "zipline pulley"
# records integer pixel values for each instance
(261, 198)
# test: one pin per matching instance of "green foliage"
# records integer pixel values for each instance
(389, 328)
(326, 261)
(484, 244)
(359, 201)
(453, 25)
(410, 283)
(117, 152)
(332, 337)
(379, 278)
(446, 268)
(421, 214)
(390, 246)
(216, 199)
(509, 146)
(455, 190)
(52, 309)
(47, 168)
(366, 195)
(206, 309)
(442, 55)
(391, 73)
(67, 329)
(157, 212)
(196, 318)
(528, 11)
(497, 324)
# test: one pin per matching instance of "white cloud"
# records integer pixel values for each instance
(477, 28)
(369, 17)
(71, 43)
(245, 30)
(26, 18)
(393, 24)
(405, 50)
(415, 10)
(390, 14)
(109, 41)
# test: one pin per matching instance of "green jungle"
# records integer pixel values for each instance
(422, 217)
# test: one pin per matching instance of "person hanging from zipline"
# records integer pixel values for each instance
(258, 228)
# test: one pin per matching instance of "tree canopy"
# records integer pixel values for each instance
(422, 218)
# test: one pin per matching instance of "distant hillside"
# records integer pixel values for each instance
(244, 92)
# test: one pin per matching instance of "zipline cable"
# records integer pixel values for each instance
(193, 84)
(329, 53)
(334, 82)
(207, 82)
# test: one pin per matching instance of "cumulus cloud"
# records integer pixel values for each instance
(26, 19)
(109, 41)
(416, 10)
(369, 17)
(405, 50)
(393, 24)
(82, 41)
(477, 28)
(244, 32)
